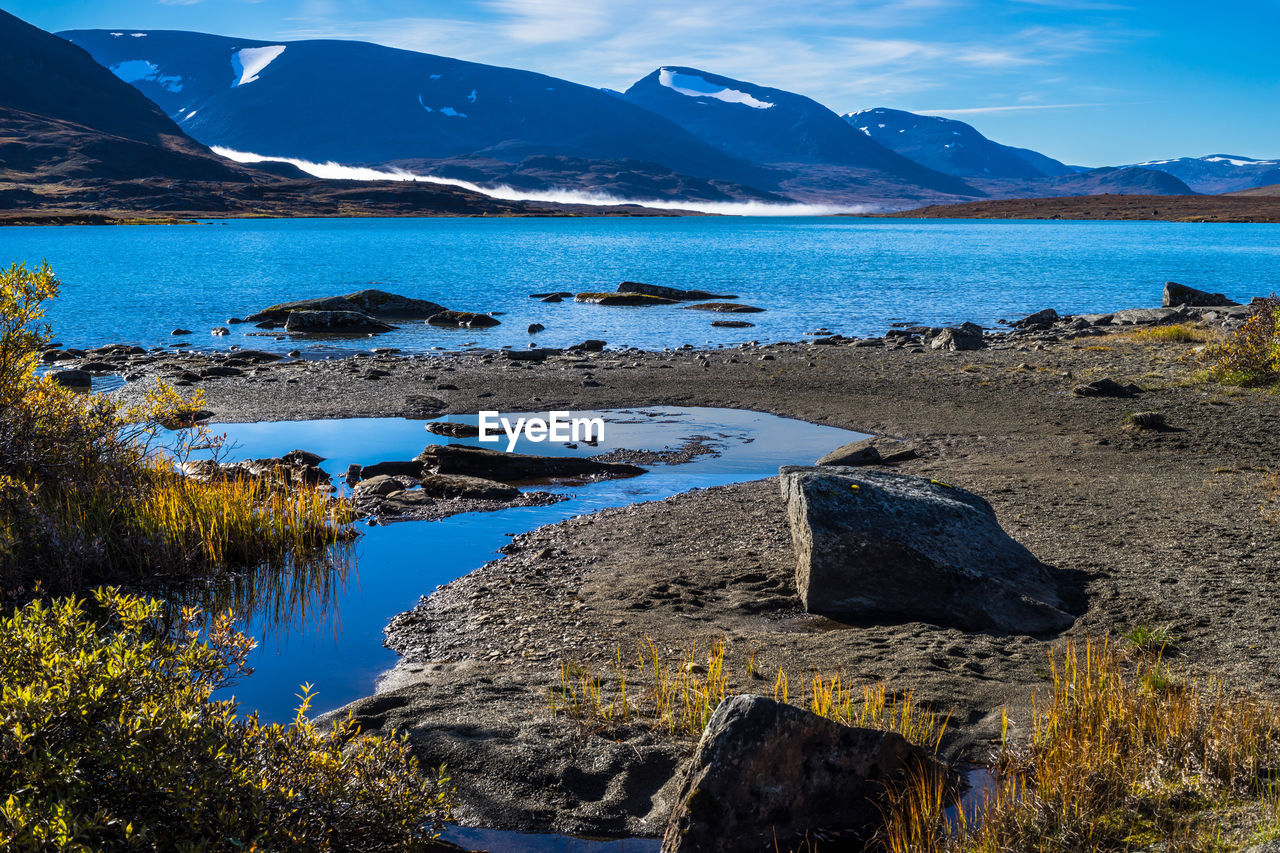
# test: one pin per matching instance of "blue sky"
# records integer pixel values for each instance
(1091, 82)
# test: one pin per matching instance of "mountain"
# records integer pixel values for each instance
(775, 127)
(1115, 180)
(1219, 173)
(358, 103)
(952, 146)
(63, 116)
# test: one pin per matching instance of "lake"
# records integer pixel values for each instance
(135, 284)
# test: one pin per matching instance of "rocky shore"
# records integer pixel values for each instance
(1158, 526)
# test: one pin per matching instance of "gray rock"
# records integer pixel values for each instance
(334, 323)
(181, 332)
(672, 293)
(967, 336)
(877, 450)
(1146, 316)
(724, 308)
(72, 378)
(732, 324)
(879, 544)
(220, 331)
(381, 485)
(534, 328)
(517, 467)
(1040, 319)
(463, 319)
(589, 345)
(1105, 388)
(376, 303)
(409, 468)
(767, 773)
(1180, 294)
(451, 486)
(1148, 420)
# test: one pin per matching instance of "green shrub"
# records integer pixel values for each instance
(110, 740)
(1251, 355)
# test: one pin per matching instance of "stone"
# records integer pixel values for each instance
(766, 773)
(220, 331)
(453, 430)
(455, 486)
(672, 293)
(724, 308)
(353, 474)
(555, 297)
(1105, 388)
(381, 485)
(548, 295)
(526, 354)
(407, 468)
(1146, 316)
(334, 323)
(534, 328)
(623, 299)
(517, 467)
(589, 345)
(966, 336)
(732, 324)
(1039, 320)
(1179, 294)
(463, 320)
(376, 303)
(1148, 420)
(181, 332)
(877, 450)
(79, 379)
(302, 457)
(878, 544)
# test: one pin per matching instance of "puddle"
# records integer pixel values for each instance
(503, 841)
(325, 628)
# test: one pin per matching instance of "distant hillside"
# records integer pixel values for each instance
(952, 146)
(1269, 190)
(63, 116)
(1194, 208)
(1219, 173)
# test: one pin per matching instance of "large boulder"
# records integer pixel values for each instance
(458, 487)
(766, 773)
(966, 336)
(376, 303)
(471, 461)
(671, 292)
(334, 323)
(875, 544)
(1179, 294)
(1042, 319)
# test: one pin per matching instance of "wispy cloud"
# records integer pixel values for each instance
(1007, 108)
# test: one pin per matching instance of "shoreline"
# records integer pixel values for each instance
(1157, 527)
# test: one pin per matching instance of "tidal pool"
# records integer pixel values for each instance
(325, 626)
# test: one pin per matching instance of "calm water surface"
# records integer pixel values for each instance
(853, 276)
(328, 630)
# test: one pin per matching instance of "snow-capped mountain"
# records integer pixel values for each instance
(358, 103)
(772, 126)
(1219, 173)
(63, 116)
(952, 146)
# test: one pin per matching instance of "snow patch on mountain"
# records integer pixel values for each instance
(252, 61)
(136, 70)
(338, 171)
(697, 87)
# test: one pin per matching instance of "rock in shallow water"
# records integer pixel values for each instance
(1179, 294)
(334, 322)
(765, 772)
(875, 544)
(516, 467)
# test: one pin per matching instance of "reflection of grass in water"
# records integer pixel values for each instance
(303, 591)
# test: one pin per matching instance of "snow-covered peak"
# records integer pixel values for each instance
(698, 87)
(249, 62)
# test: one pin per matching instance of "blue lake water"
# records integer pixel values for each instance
(330, 633)
(852, 276)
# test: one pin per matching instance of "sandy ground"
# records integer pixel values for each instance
(1155, 527)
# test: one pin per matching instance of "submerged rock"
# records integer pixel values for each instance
(1179, 294)
(732, 324)
(517, 467)
(766, 773)
(376, 303)
(463, 319)
(724, 308)
(627, 299)
(879, 544)
(334, 323)
(457, 486)
(673, 293)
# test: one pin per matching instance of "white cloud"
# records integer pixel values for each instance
(1007, 108)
